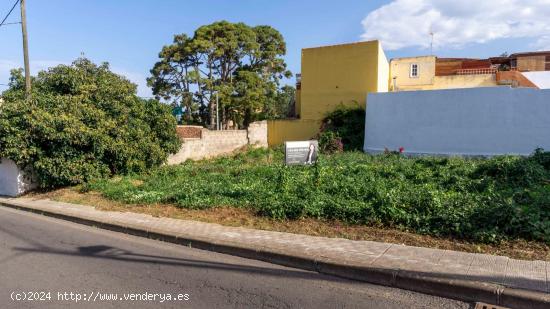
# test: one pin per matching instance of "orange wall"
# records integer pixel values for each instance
(514, 78)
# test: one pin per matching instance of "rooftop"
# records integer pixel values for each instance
(342, 44)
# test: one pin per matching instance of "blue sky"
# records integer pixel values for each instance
(129, 33)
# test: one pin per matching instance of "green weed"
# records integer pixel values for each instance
(485, 200)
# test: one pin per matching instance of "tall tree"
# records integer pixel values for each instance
(173, 76)
(266, 59)
(232, 61)
(281, 104)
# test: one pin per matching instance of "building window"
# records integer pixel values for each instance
(414, 70)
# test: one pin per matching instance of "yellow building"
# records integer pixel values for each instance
(430, 72)
(343, 75)
(331, 76)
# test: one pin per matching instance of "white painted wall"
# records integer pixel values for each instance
(475, 121)
(539, 78)
(13, 181)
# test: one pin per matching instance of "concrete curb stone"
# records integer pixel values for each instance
(516, 298)
(451, 288)
(464, 290)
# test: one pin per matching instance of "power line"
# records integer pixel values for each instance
(12, 8)
(4, 23)
(14, 23)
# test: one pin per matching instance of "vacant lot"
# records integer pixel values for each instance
(480, 200)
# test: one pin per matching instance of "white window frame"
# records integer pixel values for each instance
(414, 67)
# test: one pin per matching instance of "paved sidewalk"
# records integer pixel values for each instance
(465, 276)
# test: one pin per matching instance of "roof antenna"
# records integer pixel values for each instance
(431, 42)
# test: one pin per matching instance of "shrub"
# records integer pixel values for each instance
(330, 142)
(346, 126)
(83, 122)
(485, 200)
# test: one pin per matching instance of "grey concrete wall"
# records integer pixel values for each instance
(13, 181)
(476, 121)
(217, 143)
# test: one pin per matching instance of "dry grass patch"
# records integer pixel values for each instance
(230, 216)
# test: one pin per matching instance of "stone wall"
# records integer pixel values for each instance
(189, 131)
(13, 181)
(257, 134)
(216, 143)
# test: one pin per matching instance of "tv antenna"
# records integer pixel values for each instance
(431, 42)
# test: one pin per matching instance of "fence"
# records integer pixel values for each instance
(283, 130)
(475, 71)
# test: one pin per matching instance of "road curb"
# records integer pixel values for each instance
(464, 290)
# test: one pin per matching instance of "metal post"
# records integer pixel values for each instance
(25, 50)
(217, 113)
(431, 43)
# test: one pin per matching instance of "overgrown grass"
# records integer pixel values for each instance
(476, 199)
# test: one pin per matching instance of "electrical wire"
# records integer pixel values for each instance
(13, 23)
(8, 15)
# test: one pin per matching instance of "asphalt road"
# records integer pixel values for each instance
(46, 259)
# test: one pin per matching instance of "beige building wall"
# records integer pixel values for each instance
(465, 81)
(401, 78)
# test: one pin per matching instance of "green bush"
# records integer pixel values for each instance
(343, 129)
(330, 142)
(485, 200)
(83, 122)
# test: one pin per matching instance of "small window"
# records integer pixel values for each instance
(414, 70)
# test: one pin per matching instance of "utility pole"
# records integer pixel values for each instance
(217, 112)
(25, 50)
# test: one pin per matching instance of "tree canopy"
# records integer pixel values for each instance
(243, 65)
(83, 122)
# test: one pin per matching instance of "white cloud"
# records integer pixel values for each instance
(408, 23)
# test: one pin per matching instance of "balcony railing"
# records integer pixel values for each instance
(476, 71)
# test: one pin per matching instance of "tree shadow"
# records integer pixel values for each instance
(106, 252)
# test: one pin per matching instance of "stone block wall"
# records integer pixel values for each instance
(257, 134)
(189, 131)
(216, 143)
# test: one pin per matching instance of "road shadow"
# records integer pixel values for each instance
(104, 251)
(113, 253)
